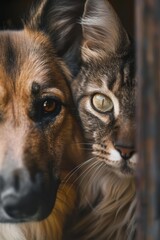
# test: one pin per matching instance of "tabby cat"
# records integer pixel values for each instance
(105, 92)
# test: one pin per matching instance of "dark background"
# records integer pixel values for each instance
(12, 11)
(125, 10)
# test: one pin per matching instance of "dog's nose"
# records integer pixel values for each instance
(19, 195)
(125, 151)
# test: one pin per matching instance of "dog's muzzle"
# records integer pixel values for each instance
(24, 198)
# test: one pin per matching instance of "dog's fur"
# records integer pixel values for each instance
(30, 72)
(48, 229)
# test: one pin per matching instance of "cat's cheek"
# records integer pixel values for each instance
(114, 156)
(134, 160)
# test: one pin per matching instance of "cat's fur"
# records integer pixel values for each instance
(107, 199)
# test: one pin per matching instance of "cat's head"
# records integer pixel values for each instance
(105, 89)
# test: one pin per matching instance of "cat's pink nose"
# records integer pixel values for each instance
(125, 151)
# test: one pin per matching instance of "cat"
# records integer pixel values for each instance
(104, 92)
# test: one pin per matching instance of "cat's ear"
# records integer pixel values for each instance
(103, 33)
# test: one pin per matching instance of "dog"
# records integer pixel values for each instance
(39, 131)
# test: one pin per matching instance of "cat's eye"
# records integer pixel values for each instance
(101, 103)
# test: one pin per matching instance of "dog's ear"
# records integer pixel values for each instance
(60, 19)
(36, 18)
(67, 31)
(103, 33)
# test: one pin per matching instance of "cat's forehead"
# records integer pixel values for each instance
(113, 75)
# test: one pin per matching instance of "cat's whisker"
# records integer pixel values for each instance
(89, 168)
(86, 149)
(84, 146)
(81, 143)
(95, 173)
(96, 168)
(75, 170)
(82, 173)
(93, 169)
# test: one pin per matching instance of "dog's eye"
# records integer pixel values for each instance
(49, 106)
(46, 109)
(101, 103)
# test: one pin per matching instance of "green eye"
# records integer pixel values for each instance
(102, 103)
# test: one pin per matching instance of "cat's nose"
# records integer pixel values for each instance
(125, 151)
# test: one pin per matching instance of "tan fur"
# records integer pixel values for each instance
(49, 146)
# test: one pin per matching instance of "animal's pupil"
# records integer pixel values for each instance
(102, 102)
(49, 106)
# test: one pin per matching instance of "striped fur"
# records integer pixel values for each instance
(107, 191)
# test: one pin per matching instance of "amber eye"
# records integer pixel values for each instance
(46, 109)
(49, 105)
(102, 103)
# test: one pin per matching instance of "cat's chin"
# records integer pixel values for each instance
(124, 171)
(123, 168)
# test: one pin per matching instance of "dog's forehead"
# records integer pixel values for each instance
(28, 57)
(16, 48)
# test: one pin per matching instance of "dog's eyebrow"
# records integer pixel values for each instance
(10, 56)
(35, 88)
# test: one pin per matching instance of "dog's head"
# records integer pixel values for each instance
(38, 130)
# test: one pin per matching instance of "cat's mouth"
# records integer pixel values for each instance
(126, 168)
(116, 162)
(121, 165)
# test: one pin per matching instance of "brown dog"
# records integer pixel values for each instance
(39, 133)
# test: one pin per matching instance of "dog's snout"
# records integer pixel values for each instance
(19, 194)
